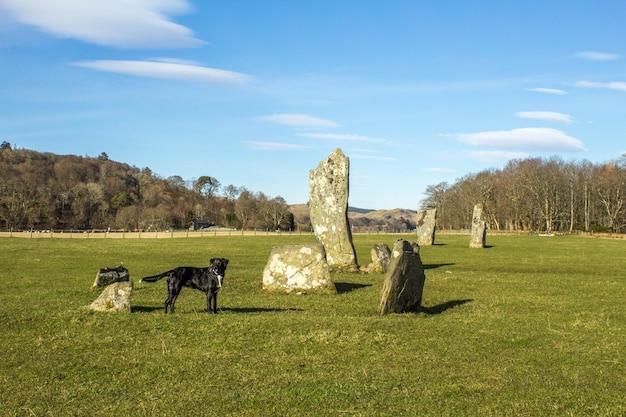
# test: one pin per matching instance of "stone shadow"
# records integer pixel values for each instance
(435, 266)
(344, 287)
(245, 310)
(442, 308)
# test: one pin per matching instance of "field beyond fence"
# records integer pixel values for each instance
(528, 326)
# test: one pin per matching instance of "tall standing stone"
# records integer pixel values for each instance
(328, 205)
(426, 227)
(404, 281)
(479, 228)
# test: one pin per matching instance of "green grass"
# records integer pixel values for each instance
(529, 326)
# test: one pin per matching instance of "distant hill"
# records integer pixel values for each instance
(366, 219)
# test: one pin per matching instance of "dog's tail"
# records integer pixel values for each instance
(154, 278)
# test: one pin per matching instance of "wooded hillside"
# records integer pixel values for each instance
(537, 194)
(61, 192)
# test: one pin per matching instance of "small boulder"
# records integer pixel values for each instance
(380, 258)
(298, 268)
(108, 276)
(114, 297)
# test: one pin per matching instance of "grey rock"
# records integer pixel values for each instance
(425, 226)
(381, 255)
(478, 237)
(404, 281)
(328, 205)
(298, 268)
(107, 276)
(114, 298)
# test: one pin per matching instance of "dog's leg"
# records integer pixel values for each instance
(173, 289)
(209, 301)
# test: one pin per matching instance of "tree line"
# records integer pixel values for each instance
(62, 192)
(537, 194)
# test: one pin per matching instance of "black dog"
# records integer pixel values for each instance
(208, 280)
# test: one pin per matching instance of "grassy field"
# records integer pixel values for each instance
(530, 326)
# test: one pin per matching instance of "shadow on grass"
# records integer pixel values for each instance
(344, 287)
(435, 266)
(257, 309)
(144, 309)
(441, 308)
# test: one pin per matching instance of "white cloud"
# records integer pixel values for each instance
(340, 136)
(275, 146)
(496, 156)
(119, 23)
(548, 90)
(525, 139)
(302, 120)
(597, 56)
(167, 70)
(613, 85)
(549, 116)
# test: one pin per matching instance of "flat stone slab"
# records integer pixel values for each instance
(298, 268)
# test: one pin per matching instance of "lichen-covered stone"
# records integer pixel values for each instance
(298, 268)
(425, 223)
(381, 255)
(404, 281)
(114, 298)
(108, 276)
(478, 237)
(328, 205)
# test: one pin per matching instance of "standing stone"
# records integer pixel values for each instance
(404, 280)
(114, 297)
(107, 276)
(479, 228)
(426, 227)
(298, 268)
(328, 205)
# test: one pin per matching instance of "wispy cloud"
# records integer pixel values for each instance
(301, 120)
(597, 56)
(276, 146)
(549, 116)
(548, 90)
(118, 23)
(167, 70)
(525, 139)
(496, 156)
(341, 136)
(613, 85)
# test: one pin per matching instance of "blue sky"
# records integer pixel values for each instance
(256, 93)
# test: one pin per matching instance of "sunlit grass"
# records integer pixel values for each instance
(528, 326)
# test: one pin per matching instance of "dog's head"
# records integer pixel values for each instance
(218, 266)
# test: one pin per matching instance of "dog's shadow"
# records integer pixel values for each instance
(442, 308)
(145, 309)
